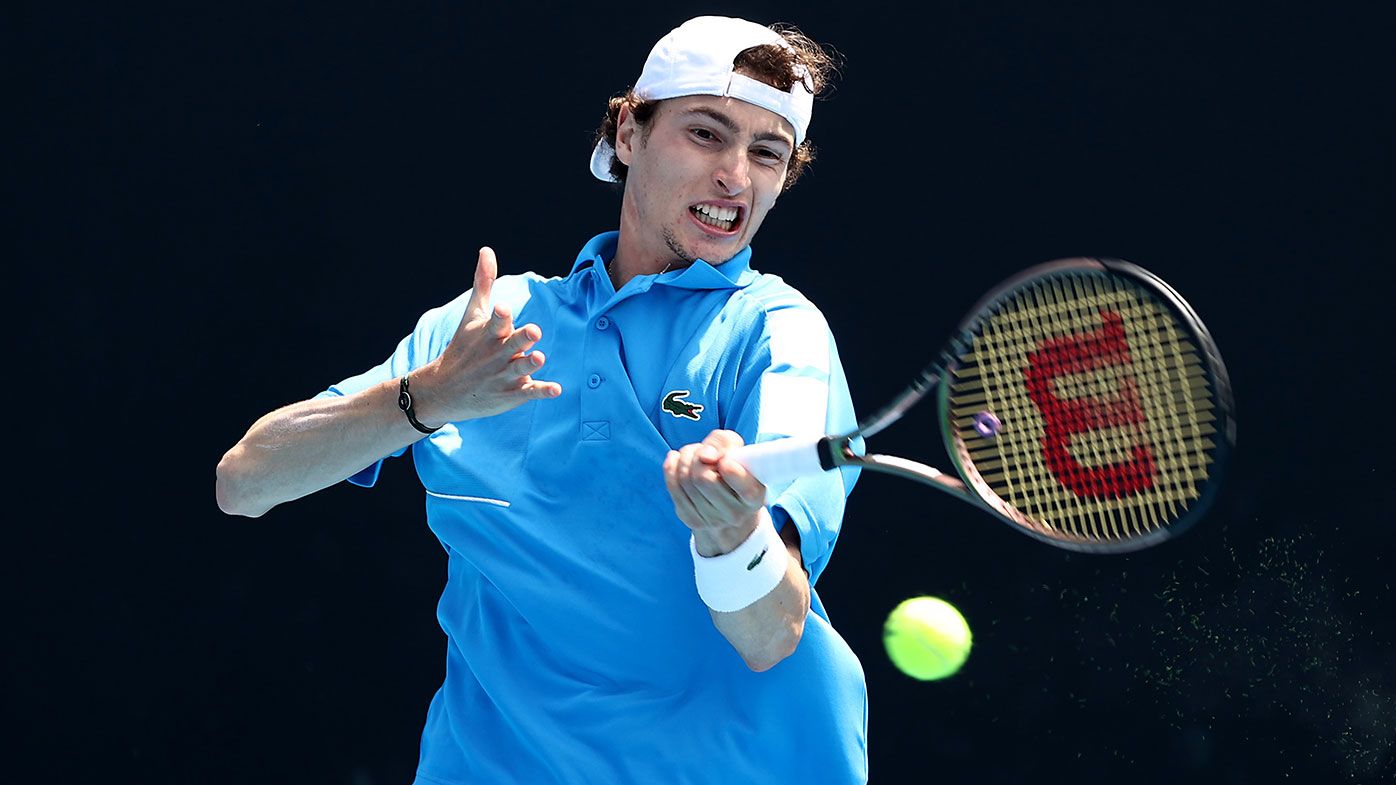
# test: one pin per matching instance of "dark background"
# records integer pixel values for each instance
(222, 211)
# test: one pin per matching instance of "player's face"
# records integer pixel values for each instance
(702, 177)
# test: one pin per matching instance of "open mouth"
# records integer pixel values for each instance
(724, 219)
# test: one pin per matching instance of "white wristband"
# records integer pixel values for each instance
(734, 580)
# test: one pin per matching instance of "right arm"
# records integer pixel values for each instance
(306, 446)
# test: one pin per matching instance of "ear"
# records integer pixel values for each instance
(625, 134)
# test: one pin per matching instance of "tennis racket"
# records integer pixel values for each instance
(1082, 401)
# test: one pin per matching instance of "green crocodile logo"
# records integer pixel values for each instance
(675, 405)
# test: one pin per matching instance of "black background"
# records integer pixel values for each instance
(222, 211)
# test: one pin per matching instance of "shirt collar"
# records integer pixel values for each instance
(735, 273)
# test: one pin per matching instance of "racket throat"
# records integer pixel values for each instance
(920, 472)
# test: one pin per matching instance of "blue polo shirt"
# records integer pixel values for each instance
(578, 651)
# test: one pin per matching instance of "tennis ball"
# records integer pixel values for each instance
(926, 638)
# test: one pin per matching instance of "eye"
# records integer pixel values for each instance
(704, 134)
(770, 156)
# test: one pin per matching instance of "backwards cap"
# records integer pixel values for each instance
(695, 58)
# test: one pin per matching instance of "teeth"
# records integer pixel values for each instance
(721, 217)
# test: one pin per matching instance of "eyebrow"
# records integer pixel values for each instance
(731, 125)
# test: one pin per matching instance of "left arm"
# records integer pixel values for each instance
(721, 502)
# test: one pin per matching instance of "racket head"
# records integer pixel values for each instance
(1085, 403)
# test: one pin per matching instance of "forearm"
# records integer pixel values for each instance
(306, 446)
(768, 630)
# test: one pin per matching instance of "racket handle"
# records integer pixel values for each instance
(780, 462)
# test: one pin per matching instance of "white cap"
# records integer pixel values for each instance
(695, 58)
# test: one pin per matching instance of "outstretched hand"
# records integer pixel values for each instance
(714, 495)
(488, 366)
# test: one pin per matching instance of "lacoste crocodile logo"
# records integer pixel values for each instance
(675, 405)
(757, 560)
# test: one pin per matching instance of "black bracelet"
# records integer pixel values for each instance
(404, 402)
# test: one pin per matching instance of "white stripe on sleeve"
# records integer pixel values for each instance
(792, 405)
(799, 339)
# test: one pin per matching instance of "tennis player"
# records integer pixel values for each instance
(623, 603)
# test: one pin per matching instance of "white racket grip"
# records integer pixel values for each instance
(779, 462)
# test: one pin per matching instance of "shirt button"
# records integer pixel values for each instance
(594, 381)
(603, 323)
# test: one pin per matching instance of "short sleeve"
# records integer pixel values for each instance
(796, 387)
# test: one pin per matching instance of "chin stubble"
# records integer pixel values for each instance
(673, 243)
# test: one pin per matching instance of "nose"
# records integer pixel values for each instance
(733, 173)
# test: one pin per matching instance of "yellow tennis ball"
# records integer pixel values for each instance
(926, 638)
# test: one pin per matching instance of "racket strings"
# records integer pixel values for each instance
(1106, 406)
(1089, 289)
(1094, 449)
(1176, 427)
(1108, 447)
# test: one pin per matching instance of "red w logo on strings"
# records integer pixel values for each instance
(1064, 418)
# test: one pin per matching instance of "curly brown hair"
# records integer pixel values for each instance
(775, 65)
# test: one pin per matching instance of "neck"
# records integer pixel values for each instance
(621, 272)
(633, 259)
